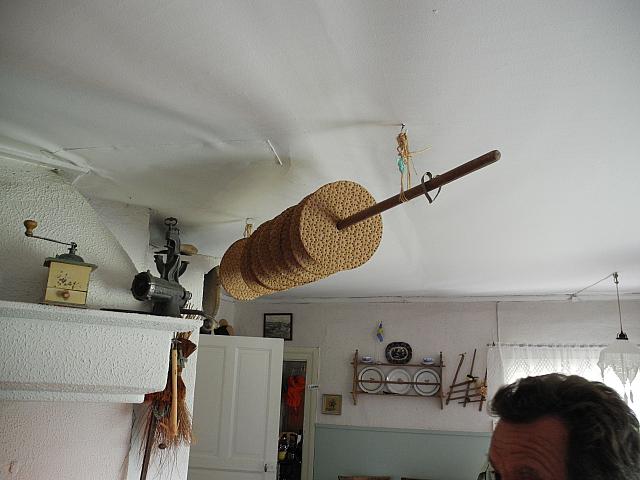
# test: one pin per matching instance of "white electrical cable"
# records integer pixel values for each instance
(274, 152)
(575, 294)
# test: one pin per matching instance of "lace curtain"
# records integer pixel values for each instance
(507, 363)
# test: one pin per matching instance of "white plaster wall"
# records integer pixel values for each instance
(62, 213)
(339, 328)
(60, 440)
(70, 441)
(567, 322)
(129, 224)
(227, 310)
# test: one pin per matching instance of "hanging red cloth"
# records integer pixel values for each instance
(295, 397)
(295, 391)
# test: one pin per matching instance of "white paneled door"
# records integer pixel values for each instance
(236, 408)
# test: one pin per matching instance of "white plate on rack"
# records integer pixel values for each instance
(426, 375)
(374, 374)
(398, 375)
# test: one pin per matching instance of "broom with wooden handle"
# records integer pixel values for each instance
(174, 427)
(173, 419)
(169, 423)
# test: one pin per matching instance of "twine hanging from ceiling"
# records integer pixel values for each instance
(405, 164)
(248, 227)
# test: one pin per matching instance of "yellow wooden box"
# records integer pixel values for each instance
(68, 282)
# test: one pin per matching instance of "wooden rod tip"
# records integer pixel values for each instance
(30, 226)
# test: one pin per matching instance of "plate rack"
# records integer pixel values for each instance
(358, 366)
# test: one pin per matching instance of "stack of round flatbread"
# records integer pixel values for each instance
(303, 244)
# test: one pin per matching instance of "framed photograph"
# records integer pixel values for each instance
(278, 325)
(332, 404)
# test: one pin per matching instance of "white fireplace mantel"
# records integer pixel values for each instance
(69, 354)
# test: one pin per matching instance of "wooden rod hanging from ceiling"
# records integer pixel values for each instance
(433, 184)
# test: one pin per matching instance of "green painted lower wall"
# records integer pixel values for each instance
(424, 454)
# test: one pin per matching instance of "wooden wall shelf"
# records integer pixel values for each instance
(358, 366)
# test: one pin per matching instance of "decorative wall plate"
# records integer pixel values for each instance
(366, 359)
(371, 373)
(398, 375)
(426, 375)
(398, 353)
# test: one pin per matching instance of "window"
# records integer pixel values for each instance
(509, 362)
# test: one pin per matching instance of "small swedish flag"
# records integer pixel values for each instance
(380, 333)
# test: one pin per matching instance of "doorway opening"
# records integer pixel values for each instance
(297, 414)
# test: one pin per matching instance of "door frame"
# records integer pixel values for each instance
(310, 355)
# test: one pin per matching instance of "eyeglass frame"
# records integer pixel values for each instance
(488, 472)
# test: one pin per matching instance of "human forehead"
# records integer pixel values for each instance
(535, 450)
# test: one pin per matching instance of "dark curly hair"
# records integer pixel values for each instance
(604, 442)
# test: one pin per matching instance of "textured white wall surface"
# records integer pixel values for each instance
(63, 214)
(64, 441)
(56, 353)
(129, 224)
(567, 322)
(340, 328)
(46, 440)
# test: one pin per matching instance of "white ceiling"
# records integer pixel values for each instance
(169, 104)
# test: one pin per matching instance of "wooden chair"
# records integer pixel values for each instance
(342, 477)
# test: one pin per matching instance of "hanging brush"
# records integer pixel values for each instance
(174, 422)
(169, 420)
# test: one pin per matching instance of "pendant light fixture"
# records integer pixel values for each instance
(621, 356)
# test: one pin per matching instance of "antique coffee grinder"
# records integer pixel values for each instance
(165, 292)
(68, 280)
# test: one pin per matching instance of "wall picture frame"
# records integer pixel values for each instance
(331, 404)
(278, 325)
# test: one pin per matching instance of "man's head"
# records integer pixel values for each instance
(557, 427)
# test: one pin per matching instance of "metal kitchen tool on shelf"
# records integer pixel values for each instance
(165, 292)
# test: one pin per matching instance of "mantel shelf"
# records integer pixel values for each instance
(70, 354)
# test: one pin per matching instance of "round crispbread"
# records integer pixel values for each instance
(332, 249)
(230, 274)
(275, 275)
(245, 267)
(297, 249)
(292, 267)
